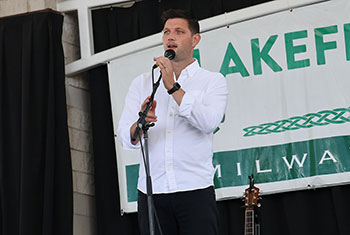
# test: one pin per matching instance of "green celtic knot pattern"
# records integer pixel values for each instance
(322, 118)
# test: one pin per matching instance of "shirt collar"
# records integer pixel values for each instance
(192, 68)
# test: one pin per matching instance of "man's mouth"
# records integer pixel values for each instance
(172, 46)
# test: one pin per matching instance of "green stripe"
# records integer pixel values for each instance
(132, 174)
(271, 158)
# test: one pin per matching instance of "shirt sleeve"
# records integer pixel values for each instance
(205, 109)
(130, 114)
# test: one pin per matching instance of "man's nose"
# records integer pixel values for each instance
(171, 36)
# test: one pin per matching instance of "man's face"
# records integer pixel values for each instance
(178, 37)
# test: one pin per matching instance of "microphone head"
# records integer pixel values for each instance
(170, 54)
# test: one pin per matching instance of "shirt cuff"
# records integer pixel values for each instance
(125, 140)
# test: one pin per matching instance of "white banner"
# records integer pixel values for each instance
(288, 117)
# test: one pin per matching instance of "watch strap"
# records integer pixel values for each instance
(175, 88)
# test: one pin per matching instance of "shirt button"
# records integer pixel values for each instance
(169, 151)
(169, 132)
(171, 115)
(169, 169)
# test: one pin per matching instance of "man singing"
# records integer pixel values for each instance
(188, 106)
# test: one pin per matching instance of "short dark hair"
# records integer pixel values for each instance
(183, 14)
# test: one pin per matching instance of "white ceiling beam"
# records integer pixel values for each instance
(113, 53)
(85, 33)
(73, 5)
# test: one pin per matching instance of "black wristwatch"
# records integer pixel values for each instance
(175, 88)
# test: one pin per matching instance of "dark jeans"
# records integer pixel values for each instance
(183, 213)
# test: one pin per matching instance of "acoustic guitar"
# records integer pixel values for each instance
(251, 197)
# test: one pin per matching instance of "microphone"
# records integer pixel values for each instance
(170, 54)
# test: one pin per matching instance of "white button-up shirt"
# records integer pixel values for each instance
(181, 142)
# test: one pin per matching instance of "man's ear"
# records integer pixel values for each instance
(195, 39)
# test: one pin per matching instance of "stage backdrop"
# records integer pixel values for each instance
(287, 119)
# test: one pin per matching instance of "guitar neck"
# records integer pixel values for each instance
(249, 222)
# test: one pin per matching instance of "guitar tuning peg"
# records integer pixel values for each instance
(258, 205)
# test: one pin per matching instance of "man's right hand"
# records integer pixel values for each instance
(151, 117)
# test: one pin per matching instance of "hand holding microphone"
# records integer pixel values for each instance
(170, 54)
(166, 68)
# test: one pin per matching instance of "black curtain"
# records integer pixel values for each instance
(35, 167)
(321, 211)
(114, 26)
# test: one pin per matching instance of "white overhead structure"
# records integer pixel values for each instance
(89, 59)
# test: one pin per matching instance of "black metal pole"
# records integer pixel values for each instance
(142, 125)
(149, 186)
